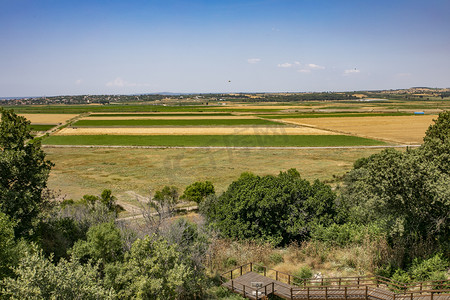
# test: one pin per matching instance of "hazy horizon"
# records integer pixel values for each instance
(97, 47)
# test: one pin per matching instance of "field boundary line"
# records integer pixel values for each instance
(232, 148)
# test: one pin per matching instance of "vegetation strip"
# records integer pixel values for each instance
(214, 140)
(192, 122)
(161, 114)
(36, 127)
(332, 115)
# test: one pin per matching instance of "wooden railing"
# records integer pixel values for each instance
(375, 287)
(249, 291)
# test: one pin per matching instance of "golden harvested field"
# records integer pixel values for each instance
(400, 129)
(196, 117)
(186, 130)
(48, 118)
(80, 171)
(237, 106)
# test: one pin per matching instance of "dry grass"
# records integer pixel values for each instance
(48, 118)
(80, 171)
(187, 130)
(400, 129)
(352, 260)
(246, 106)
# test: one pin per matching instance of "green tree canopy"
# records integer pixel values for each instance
(23, 172)
(36, 277)
(152, 270)
(279, 208)
(7, 245)
(103, 242)
(198, 191)
(407, 193)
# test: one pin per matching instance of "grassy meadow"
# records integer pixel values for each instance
(80, 171)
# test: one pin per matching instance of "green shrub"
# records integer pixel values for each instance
(230, 262)
(400, 276)
(440, 275)
(302, 274)
(276, 258)
(422, 270)
(346, 234)
(258, 267)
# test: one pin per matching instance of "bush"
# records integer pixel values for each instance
(276, 209)
(104, 242)
(36, 277)
(302, 274)
(401, 277)
(230, 262)
(276, 258)
(422, 270)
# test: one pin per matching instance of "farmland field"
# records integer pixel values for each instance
(188, 130)
(400, 129)
(165, 122)
(38, 127)
(90, 170)
(331, 115)
(156, 114)
(213, 140)
(172, 117)
(48, 118)
(127, 171)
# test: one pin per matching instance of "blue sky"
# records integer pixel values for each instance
(56, 47)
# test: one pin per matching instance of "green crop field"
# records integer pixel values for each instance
(35, 127)
(192, 122)
(213, 140)
(160, 114)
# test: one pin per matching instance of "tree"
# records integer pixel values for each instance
(198, 191)
(440, 129)
(152, 270)
(106, 198)
(279, 209)
(103, 242)
(160, 208)
(436, 146)
(36, 277)
(407, 193)
(192, 243)
(7, 245)
(23, 172)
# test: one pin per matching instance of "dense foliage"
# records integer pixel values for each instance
(279, 209)
(405, 193)
(23, 172)
(37, 277)
(198, 191)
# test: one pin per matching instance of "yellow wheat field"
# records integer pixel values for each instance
(401, 129)
(48, 118)
(253, 130)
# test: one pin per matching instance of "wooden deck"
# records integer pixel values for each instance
(253, 285)
(245, 285)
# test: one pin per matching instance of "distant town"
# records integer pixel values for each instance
(415, 93)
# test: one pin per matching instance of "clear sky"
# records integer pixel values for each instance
(58, 47)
